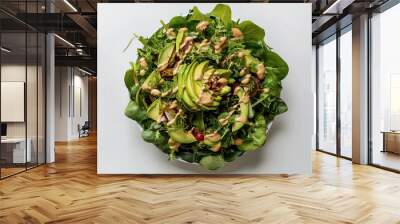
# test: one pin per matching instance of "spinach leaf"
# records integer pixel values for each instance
(251, 31)
(198, 16)
(212, 162)
(177, 22)
(258, 48)
(133, 91)
(231, 154)
(135, 112)
(154, 137)
(129, 78)
(256, 136)
(223, 12)
(278, 106)
(273, 82)
(276, 64)
(186, 156)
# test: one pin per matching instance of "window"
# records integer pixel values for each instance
(22, 101)
(327, 96)
(385, 89)
(346, 93)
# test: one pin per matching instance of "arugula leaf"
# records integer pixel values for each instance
(198, 121)
(251, 31)
(223, 12)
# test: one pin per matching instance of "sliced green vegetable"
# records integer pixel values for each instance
(151, 81)
(165, 55)
(244, 109)
(190, 104)
(225, 73)
(156, 110)
(179, 39)
(251, 63)
(180, 135)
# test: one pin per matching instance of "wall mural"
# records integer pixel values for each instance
(205, 89)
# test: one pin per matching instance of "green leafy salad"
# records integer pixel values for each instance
(205, 88)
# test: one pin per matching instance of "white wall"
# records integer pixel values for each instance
(70, 83)
(289, 143)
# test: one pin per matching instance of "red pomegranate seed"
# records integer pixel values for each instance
(199, 136)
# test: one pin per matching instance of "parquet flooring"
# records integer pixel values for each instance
(70, 191)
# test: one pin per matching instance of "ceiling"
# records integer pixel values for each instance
(76, 21)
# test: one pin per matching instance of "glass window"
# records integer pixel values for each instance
(346, 93)
(22, 92)
(14, 153)
(327, 96)
(385, 87)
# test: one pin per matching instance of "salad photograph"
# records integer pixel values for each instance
(205, 88)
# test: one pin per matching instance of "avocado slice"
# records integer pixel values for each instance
(244, 109)
(191, 105)
(213, 140)
(225, 73)
(179, 39)
(180, 80)
(155, 110)
(151, 81)
(181, 86)
(165, 56)
(251, 63)
(180, 135)
(193, 87)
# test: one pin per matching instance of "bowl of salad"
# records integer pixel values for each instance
(205, 88)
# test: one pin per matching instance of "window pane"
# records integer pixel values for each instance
(346, 93)
(14, 153)
(327, 97)
(386, 89)
(31, 100)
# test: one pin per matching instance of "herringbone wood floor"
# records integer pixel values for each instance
(69, 191)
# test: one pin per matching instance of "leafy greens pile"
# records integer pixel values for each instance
(204, 87)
